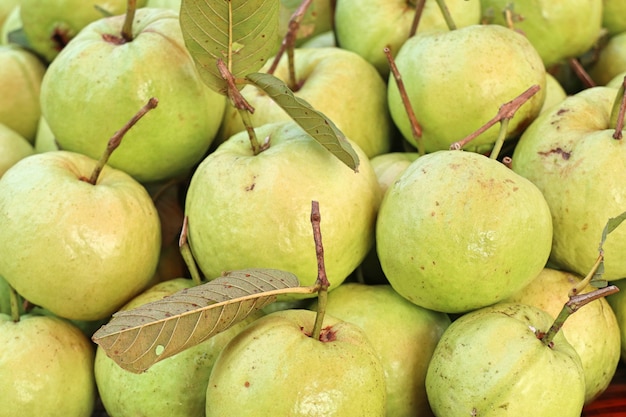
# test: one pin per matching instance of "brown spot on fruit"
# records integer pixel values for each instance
(60, 37)
(328, 334)
(559, 151)
(116, 40)
(247, 384)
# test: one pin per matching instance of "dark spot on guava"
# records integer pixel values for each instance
(559, 151)
(561, 111)
(247, 384)
(60, 38)
(115, 40)
(328, 334)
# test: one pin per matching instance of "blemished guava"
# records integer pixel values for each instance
(275, 368)
(570, 154)
(456, 82)
(458, 231)
(46, 368)
(490, 362)
(254, 211)
(404, 336)
(593, 331)
(102, 81)
(173, 387)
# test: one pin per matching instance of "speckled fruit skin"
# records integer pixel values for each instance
(250, 211)
(557, 29)
(452, 80)
(404, 336)
(78, 250)
(324, 74)
(174, 387)
(593, 331)
(273, 368)
(459, 231)
(570, 155)
(46, 368)
(490, 363)
(100, 84)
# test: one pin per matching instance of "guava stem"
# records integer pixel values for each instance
(289, 42)
(185, 251)
(416, 129)
(419, 8)
(446, 14)
(580, 72)
(579, 287)
(572, 306)
(322, 280)
(14, 300)
(240, 103)
(127, 29)
(116, 139)
(504, 125)
(506, 111)
(617, 113)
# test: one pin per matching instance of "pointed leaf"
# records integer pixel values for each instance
(314, 122)
(138, 338)
(243, 33)
(598, 281)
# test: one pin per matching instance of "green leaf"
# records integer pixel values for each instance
(243, 33)
(137, 339)
(597, 280)
(314, 122)
(18, 37)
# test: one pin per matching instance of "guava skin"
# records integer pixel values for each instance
(403, 334)
(593, 331)
(174, 387)
(450, 81)
(618, 304)
(46, 368)
(249, 211)
(570, 155)
(78, 250)
(490, 363)
(557, 29)
(448, 252)
(274, 368)
(13, 147)
(102, 82)
(368, 26)
(611, 60)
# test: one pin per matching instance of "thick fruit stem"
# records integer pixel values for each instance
(322, 281)
(185, 251)
(419, 8)
(127, 29)
(617, 113)
(416, 129)
(572, 306)
(506, 111)
(446, 14)
(289, 42)
(116, 139)
(580, 72)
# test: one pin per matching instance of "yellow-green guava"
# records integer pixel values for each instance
(559, 30)
(21, 74)
(275, 368)
(323, 76)
(368, 26)
(490, 362)
(174, 387)
(254, 211)
(103, 81)
(593, 331)
(50, 25)
(76, 249)
(456, 81)
(570, 155)
(611, 60)
(46, 368)
(404, 336)
(13, 147)
(458, 231)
